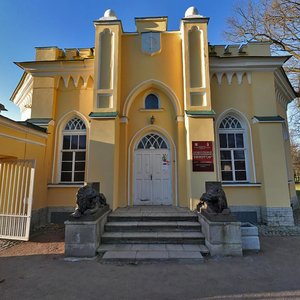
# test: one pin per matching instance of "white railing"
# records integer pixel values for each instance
(16, 189)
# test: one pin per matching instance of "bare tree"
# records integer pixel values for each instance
(277, 22)
(295, 153)
(274, 21)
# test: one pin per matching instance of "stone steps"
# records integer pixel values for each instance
(149, 234)
(153, 247)
(152, 226)
(152, 217)
(165, 237)
(136, 256)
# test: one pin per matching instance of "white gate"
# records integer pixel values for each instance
(16, 188)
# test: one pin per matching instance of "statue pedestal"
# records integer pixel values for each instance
(83, 235)
(222, 234)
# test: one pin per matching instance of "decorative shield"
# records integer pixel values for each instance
(150, 42)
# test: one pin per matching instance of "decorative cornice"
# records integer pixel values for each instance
(229, 75)
(56, 68)
(267, 119)
(283, 88)
(246, 63)
(23, 127)
(22, 94)
(42, 122)
(200, 113)
(103, 115)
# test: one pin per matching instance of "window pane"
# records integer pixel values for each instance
(82, 141)
(79, 166)
(239, 140)
(79, 176)
(66, 142)
(231, 142)
(225, 154)
(240, 165)
(74, 142)
(240, 175)
(223, 141)
(80, 156)
(239, 154)
(226, 165)
(66, 166)
(66, 176)
(151, 102)
(227, 176)
(67, 156)
(164, 145)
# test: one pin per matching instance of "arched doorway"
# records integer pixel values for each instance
(152, 171)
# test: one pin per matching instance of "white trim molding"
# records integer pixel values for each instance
(251, 170)
(152, 83)
(246, 64)
(58, 142)
(22, 128)
(135, 139)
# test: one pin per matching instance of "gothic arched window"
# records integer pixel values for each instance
(152, 141)
(151, 102)
(233, 149)
(73, 153)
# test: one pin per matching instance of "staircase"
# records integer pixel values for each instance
(152, 233)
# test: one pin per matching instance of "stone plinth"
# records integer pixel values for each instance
(83, 235)
(250, 238)
(222, 238)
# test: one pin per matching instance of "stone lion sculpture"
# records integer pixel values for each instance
(214, 199)
(88, 201)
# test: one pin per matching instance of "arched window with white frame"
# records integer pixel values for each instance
(151, 102)
(233, 150)
(73, 152)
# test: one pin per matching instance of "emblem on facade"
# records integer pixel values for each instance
(151, 42)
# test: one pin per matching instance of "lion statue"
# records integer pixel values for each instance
(88, 201)
(214, 199)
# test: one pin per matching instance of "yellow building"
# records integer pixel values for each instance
(154, 114)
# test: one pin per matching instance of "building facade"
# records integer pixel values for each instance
(154, 114)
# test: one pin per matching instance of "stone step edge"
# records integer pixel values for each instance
(168, 234)
(150, 229)
(130, 228)
(154, 223)
(101, 249)
(152, 218)
(136, 256)
(187, 241)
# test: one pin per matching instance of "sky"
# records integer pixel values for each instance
(26, 24)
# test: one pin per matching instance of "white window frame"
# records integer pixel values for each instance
(156, 138)
(158, 101)
(75, 132)
(234, 131)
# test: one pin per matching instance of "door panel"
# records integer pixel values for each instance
(152, 177)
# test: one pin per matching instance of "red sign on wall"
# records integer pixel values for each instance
(203, 158)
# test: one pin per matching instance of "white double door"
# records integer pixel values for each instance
(152, 177)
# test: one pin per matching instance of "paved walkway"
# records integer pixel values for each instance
(273, 273)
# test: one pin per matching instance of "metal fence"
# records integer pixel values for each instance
(16, 188)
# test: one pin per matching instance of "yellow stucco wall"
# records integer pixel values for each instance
(166, 67)
(134, 74)
(20, 142)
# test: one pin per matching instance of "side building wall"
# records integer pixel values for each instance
(22, 142)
